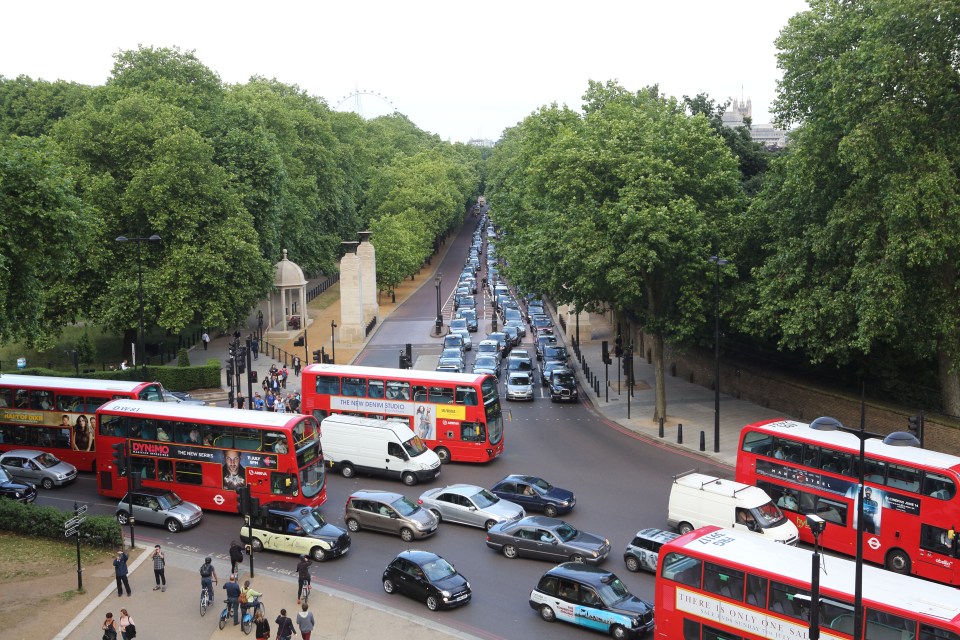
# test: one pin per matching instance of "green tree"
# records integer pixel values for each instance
(31, 107)
(862, 234)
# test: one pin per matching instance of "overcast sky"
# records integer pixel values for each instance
(459, 69)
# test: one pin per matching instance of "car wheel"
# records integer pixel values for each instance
(256, 545)
(550, 511)
(173, 525)
(898, 561)
(488, 524)
(443, 453)
(409, 479)
(685, 528)
(577, 557)
(547, 614)
(388, 585)
(122, 518)
(619, 632)
(347, 470)
(406, 534)
(353, 525)
(437, 513)
(510, 551)
(632, 564)
(47, 484)
(318, 554)
(433, 603)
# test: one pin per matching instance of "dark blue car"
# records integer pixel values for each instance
(535, 494)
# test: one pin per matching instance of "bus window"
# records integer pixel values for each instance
(165, 470)
(882, 624)
(874, 470)
(354, 387)
(938, 486)
(710, 633)
(73, 404)
(441, 395)
(836, 615)
(691, 629)
(148, 430)
(788, 450)
(189, 473)
(41, 399)
(397, 390)
(92, 404)
(467, 396)
(472, 432)
(832, 511)
(329, 385)
(681, 568)
(6, 397)
(320, 414)
(419, 393)
(62, 438)
(375, 389)
(789, 600)
(247, 439)
(224, 438)
(151, 393)
(935, 539)
(928, 632)
(811, 456)
(759, 443)
(283, 484)
(903, 477)
(21, 400)
(833, 461)
(757, 591)
(723, 581)
(144, 466)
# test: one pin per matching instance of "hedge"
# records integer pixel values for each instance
(48, 522)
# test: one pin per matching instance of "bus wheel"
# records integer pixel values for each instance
(443, 453)
(547, 613)
(685, 528)
(899, 561)
(347, 470)
(409, 479)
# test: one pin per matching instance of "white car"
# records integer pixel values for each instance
(469, 504)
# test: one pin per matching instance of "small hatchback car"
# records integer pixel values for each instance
(591, 597)
(390, 513)
(160, 507)
(38, 467)
(426, 577)
(644, 550)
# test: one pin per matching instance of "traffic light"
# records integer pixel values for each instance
(403, 360)
(243, 500)
(618, 347)
(298, 342)
(316, 356)
(915, 424)
(242, 364)
(229, 371)
(605, 350)
(627, 364)
(120, 457)
(230, 398)
(136, 481)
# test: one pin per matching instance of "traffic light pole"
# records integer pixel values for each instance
(249, 379)
(130, 495)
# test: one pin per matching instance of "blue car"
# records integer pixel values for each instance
(535, 494)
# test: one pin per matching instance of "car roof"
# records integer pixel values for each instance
(151, 491)
(26, 453)
(539, 521)
(657, 535)
(519, 476)
(418, 556)
(580, 571)
(376, 493)
(463, 489)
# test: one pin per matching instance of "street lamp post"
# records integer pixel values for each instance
(139, 241)
(716, 357)
(817, 525)
(439, 321)
(333, 343)
(899, 439)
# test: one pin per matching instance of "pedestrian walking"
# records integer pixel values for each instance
(296, 366)
(110, 628)
(205, 338)
(128, 629)
(283, 376)
(120, 570)
(236, 557)
(279, 404)
(305, 622)
(262, 625)
(259, 318)
(240, 400)
(159, 562)
(255, 348)
(233, 595)
(271, 401)
(257, 402)
(293, 402)
(285, 629)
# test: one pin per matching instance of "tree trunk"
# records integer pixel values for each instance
(949, 385)
(660, 409)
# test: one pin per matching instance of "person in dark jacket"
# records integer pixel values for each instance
(236, 556)
(263, 626)
(120, 570)
(285, 629)
(233, 597)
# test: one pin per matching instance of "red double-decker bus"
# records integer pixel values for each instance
(456, 414)
(58, 415)
(911, 506)
(206, 453)
(721, 584)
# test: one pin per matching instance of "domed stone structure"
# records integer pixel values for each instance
(287, 305)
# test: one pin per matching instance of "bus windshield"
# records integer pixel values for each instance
(494, 422)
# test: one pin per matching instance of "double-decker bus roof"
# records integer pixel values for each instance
(401, 374)
(179, 411)
(78, 384)
(876, 446)
(746, 550)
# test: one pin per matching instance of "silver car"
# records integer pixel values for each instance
(38, 467)
(390, 513)
(519, 385)
(643, 551)
(160, 507)
(469, 504)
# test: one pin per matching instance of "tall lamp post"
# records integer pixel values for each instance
(333, 343)
(139, 241)
(437, 281)
(716, 357)
(897, 439)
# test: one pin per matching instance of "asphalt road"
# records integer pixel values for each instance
(621, 483)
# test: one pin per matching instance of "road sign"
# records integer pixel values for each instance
(74, 522)
(70, 532)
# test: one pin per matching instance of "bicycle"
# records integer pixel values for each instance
(204, 601)
(246, 622)
(305, 593)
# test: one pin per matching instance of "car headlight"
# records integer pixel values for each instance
(61, 476)
(445, 593)
(565, 503)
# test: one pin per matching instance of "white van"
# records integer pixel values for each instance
(377, 447)
(697, 500)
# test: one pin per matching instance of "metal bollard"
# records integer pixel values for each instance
(661, 428)
(703, 440)
(680, 433)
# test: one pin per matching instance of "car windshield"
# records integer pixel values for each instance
(404, 506)
(438, 569)
(517, 364)
(483, 499)
(565, 532)
(451, 352)
(46, 460)
(458, 324)
(768, 515)
(170, 500)
(317, 517)
(612, 591)
(309, 522)
(519, 354)
(519, 379)
(486, 362)
(542, 485)
(4, 476)
(564, 379)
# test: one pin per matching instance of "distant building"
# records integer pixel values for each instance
(765, 134)
(480, 142)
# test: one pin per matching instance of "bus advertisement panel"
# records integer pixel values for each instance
(455, 414)
(718, 583)
(206, 453)
(58, 415)
(910, 503)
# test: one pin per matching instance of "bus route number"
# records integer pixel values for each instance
(717, 538)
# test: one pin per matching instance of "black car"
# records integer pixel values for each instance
(547, 369)
(563, 386)
(535, 494)
(555, 352)
(426, 577)
(24, 492)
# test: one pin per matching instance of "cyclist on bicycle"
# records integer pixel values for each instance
(233, 598)
(208, 575)
(303, 573)
(250, 598)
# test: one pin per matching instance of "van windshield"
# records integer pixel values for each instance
(414, 446)
(768, 515)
